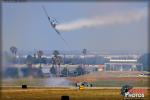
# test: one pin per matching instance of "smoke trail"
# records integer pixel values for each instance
(119, 18)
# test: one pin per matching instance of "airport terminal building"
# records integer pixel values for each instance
(123, 64)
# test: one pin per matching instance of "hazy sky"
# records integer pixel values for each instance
(102, 26)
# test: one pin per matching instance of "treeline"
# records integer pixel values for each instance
(14, 72)
(38, 58)
(75, 60)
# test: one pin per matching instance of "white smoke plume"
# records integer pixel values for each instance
(113, 19)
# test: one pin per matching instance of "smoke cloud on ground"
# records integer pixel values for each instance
(57, 82)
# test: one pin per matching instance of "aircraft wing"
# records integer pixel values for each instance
(57, 31)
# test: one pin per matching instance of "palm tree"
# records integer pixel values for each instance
(40, 53)
(84, 51)
(56, 61)
(13, 50)
(56, 53)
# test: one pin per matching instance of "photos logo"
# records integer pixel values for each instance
(128, 92)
